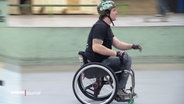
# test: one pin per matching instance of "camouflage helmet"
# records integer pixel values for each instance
(104, 6)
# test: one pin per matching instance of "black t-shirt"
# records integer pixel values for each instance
(100, 30)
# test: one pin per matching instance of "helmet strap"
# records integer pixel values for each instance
(111, 20)
(108, 12)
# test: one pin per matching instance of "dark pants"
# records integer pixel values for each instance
(162, 6)
(25, 9)
(116, 65)
(23, 1)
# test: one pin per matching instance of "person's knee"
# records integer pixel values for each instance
(112, 62)
(127, 62)
(127, 58)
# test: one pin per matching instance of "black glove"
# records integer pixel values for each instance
(137, 46)
(120, 54)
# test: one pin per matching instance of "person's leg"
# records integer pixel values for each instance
(163, 7)
(160, 7)
(125, 65)
(22, 9)
(116, 65)
(113, 62)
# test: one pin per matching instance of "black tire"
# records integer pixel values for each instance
(89, 73)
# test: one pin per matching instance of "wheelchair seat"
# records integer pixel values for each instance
(82, 58)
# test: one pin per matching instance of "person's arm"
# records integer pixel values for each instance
(100, 49)
(121, 45)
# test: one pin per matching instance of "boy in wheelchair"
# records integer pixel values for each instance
(100, 42)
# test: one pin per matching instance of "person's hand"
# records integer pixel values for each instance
(137, 46)
(120, 54)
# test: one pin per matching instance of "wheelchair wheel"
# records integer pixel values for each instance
(95, 83)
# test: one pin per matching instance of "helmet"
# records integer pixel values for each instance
(104, 6)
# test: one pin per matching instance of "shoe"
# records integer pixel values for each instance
(168, 14)
(126, 94)
(159, 15)
(134, 94)
(1, 83)
(123, 94)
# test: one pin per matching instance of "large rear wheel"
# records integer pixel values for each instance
(95, 83)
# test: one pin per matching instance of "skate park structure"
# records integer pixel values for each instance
(28, 48)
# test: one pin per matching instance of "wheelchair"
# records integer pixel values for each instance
(95, 83)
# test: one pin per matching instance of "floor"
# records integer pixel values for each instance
(162, 85)
(89, 20)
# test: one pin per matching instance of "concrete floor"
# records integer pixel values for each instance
(159, 84)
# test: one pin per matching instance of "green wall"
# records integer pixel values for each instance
(3, 13)
(59, 45)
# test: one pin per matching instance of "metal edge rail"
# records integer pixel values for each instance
(57, 5)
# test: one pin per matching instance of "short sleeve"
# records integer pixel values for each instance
(99, 31)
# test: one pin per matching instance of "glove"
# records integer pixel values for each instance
(137, 46)
(120, 54)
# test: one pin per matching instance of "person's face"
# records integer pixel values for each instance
(113, 14)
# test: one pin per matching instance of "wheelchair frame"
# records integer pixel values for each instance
(103, 83)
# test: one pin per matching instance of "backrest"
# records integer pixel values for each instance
(82, 58)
